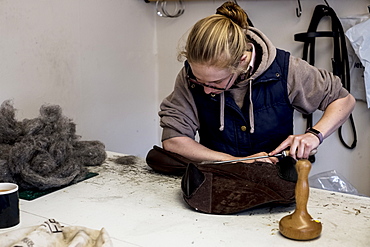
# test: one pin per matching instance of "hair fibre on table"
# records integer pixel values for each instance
(44, 152)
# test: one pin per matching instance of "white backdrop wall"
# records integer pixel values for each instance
(278, 20)
(94, 58)
(109, 63)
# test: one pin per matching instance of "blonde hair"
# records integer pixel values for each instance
(218, 40)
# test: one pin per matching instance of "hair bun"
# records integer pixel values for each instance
(235, 13)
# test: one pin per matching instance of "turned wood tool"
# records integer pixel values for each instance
(300, 225)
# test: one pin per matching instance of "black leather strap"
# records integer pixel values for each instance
(339, 61)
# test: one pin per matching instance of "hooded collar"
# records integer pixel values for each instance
(265, 55)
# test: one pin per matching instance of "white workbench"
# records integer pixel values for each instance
(141, 208)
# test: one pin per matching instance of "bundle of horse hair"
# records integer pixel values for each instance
(44, 152)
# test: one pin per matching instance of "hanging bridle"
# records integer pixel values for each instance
(339, 61)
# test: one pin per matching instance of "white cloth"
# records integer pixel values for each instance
(356, 68)
(359, 36)
(52, 234)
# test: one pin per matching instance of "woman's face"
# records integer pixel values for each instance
(213, 79)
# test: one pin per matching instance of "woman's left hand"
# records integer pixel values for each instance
(272, 160)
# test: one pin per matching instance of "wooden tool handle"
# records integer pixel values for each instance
(302, 187)
(300, 225)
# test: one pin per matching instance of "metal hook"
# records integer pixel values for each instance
(159, 12)
(162, 11)
(299, 11)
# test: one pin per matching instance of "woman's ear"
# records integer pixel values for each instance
(244, 57)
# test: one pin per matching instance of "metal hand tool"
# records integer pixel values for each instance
(283, 154)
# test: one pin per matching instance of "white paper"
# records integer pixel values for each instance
(359, 36)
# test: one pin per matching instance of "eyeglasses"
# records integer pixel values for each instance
(192, 80)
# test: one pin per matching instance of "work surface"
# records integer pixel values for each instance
(141, 208)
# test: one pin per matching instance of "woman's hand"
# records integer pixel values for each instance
(300, 145)
(272, 160)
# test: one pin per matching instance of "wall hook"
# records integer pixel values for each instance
(298, 10)
(161, 8)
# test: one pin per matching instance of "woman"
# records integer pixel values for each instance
(239, 92)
